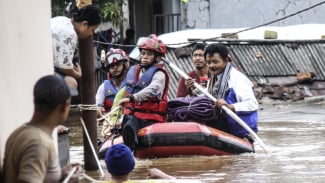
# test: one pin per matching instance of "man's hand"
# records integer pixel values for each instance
(124, 101)
(75, 177)
(62, 129)
(189, 84)
(100, 111)
(155, 173)
(77, 70)
(221, 102)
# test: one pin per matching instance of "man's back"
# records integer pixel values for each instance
(30, 156)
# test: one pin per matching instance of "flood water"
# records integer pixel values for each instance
(294, 136)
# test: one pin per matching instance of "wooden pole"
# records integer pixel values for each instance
(88, 92)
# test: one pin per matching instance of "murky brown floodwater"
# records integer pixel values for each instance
(296, 148)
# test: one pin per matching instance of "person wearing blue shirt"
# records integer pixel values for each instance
(233, 89)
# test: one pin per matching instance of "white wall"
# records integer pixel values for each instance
(25, 56)
(219, 14)
(248, 13)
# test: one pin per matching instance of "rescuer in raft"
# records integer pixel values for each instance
(116, 65)
(146, 90)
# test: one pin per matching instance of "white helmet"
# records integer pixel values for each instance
(115, 55)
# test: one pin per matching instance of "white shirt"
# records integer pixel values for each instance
(243, 89)
(154, 89)
(64, 40)
(100, 95)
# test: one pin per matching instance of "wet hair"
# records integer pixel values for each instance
(216, 48)
(198, 46)
(50, 91)
(88, 13)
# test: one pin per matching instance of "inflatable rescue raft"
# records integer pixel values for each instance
(187, 138)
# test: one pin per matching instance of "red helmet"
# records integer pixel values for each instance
(115, 55)
(152, 43)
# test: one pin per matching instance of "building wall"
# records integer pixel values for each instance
(26, 55)
(197, 14)
(248, 13)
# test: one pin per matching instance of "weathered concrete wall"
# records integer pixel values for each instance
(248, 13)
(26, 55)
(196, 14)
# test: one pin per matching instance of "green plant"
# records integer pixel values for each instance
(112, 11)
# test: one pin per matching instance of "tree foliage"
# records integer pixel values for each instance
(112, 12)
(111, 9)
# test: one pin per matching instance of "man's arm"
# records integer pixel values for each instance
(100, 99)
(155, 173)
(154, 89)
(181, 89)
(74, 72)
(246, 100)
(100, 95)
(33, 164)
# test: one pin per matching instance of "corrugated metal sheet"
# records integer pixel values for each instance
(184, 64)
(270, 61)
(260, 59)
(318, 53)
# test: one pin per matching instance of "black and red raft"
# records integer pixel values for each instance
(187, 138)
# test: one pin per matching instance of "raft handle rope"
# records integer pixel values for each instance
(107, 114)
(224, 108)
(93, 107)
(189, 108)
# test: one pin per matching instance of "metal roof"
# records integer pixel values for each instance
(260, 59)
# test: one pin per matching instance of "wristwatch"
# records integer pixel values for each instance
(131, 97)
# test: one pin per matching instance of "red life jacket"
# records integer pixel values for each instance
(152, 109)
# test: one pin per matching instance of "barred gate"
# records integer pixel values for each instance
(165, 23)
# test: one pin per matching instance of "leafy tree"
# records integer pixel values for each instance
(112, 12)
(111, 9)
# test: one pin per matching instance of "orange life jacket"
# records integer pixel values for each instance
(153, 108)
